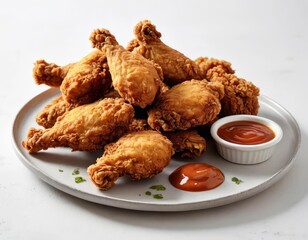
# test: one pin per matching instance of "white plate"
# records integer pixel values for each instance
(131, 195)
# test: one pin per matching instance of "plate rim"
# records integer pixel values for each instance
(155, 206)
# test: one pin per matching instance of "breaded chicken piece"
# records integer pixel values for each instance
(135, 78)
(138, 125)
(241, 96)
(86, 128)
(141, 154)
(176, 66)
(87, 80)
(188, 104)
(50, 74)
(206, 64)
(47, 117)
(187, 143)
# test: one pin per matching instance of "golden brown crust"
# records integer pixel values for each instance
(187, 143)
(135, 78)
(206, 64)
(86, 128)
(141, 154)
(49, 74)
(241, 96)
(186, 105)
(49, 114)
(88, 80)
(175, 65)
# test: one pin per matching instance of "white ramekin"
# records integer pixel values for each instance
(246, 154)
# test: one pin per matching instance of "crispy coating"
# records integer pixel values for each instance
(187, 143)
(189, 104)
(87, 80)
(138, 125)
(241, 96)
(141, 154)
(47, 117)
(206, 64)
(86, 128)
(136, 79)
(176, 66)
(50, 74)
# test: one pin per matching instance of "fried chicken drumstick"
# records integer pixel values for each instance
(141, 154)
(176, 66)
(82, 82)
(50, 74)
(135, 78)
(85, 128)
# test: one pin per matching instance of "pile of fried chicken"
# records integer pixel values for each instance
(140, 104)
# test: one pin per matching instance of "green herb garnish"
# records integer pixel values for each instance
(236, 180)
(79, 179)
(158, 187)
(60, 170)
(158, 196)
(148, 193)
(76, 171)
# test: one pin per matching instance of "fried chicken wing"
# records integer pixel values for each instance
(241, 96)
(136, 79)
(176, 66)
(47, 117)
(86, 128)
(87, 80)
(187, 143)
(188, 104)
(50, 74)
(141, 154)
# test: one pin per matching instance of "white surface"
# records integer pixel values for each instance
(131, 195)
(266, 41)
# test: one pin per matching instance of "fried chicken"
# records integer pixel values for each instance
(87, 80)
(50, 74)
(86, 128)
(176, 66)
(141, 154)
(206, 64)
(187, 143)
(135, 78)
(138, 125)
(188, 104)
(47, 117)
(241, 96)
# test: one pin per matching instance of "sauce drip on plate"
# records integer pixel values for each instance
(195, 177)
(246, 132)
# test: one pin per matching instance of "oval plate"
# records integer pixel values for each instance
(56, 166)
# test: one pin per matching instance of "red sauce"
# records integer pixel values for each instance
(246, 132)
(195, 177)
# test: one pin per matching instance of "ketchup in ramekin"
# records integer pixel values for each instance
(246, 132)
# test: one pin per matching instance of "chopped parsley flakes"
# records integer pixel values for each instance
(158, 196)
(157, 188)
(236, 180)
(76, 171)
(79, 179)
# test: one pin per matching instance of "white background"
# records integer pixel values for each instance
(266, 42)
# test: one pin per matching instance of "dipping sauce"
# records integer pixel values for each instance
(196, 177)
(246, 132)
